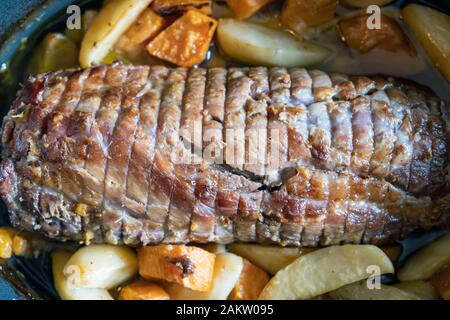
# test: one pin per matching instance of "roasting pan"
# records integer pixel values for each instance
(22, 24)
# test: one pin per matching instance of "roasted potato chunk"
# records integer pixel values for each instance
(101, 266)
(300, 14)
(390, 36)
(441, 281)
(142, 290)
(112, 21)
(431, 28)
(255, 44)
(76, 35)
(167, 7)
(422, 289)
(427, 261)
(325, 270)
(246, 8)
(64, 286)
(186, 42)
(250, 284)
(188, 266)
(360, 291)
(55, 52)
(147, 27)
(262, 256)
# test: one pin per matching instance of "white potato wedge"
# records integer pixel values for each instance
(431, 28)
(325, 270)
(55, 52)
(360, 291)
(427, 261)
(263, 256)
(64, 287)
(227, 270)
(255, 44)
(363, 3)
(423, 289)
(101, 266)
(76, 35)
(112, 21)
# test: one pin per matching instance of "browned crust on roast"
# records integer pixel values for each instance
(91, 155)
(183, 198)
(238, 93)
(162, 175)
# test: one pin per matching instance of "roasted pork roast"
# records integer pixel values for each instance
(144, 155)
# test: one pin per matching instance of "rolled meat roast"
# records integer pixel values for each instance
(144, 155)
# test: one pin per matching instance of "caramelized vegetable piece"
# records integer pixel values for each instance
(427, 261)
(300, 14)
(422, 289)
(431, 28)
(250, 284)
(262, 256)
(165, 7)
(363, 3)
(441, 281)
(246, 8)
(186, 42)
(389, 37)
(5, 244)
(188, 266)
(227, 269)
(112, 21)
(55, 52)
(147, 26)
(255, 44)
(142, 290)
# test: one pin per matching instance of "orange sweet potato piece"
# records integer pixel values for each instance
(441, 281)
(246, 8)
(186, 42)
(165, 7)
(250, 284)
(142, 290)
(147, 26)
(389, 37)
(188, 266)
(300, 14)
